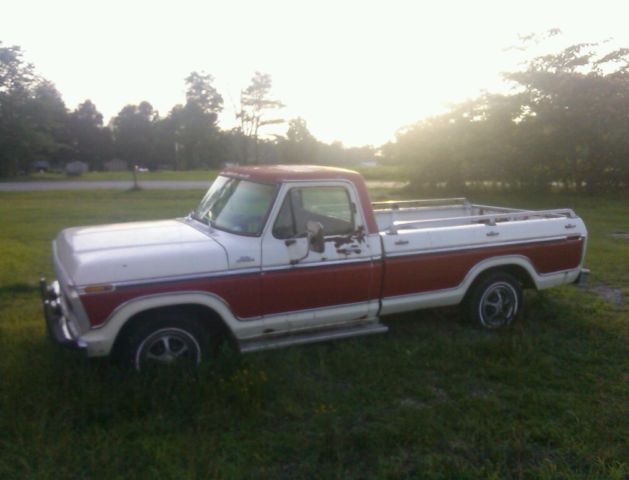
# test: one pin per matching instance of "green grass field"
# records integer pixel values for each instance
(433, 398)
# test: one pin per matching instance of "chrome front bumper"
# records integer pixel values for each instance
(56, 321)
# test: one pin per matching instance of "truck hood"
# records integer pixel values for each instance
(135, 251)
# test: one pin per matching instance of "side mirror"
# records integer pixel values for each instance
(315, 236)
(314, 242)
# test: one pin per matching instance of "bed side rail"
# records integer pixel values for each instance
(489, 219)
(396, 205)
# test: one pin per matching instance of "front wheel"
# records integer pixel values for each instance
(163, 342)
(494, 301)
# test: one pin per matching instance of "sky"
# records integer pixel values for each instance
(356, 71)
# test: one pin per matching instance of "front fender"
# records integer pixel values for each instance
(101, 340)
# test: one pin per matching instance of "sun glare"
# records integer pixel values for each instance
(355, 71)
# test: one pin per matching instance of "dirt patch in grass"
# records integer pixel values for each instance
(610, 294)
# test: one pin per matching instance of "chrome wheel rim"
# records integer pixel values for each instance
(498, 305)
(168, 346)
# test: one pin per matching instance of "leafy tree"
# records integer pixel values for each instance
(565, 124)
(164, 146)
(300, 145)
(255, 103)
(134, 134)
(18, 136)
(92, 141)
(576, 103)
(194, 125)
(33, 117)
(200, 91)
(15, 75)
(35, 124)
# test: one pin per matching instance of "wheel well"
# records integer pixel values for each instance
(204, 316)
(517, 271)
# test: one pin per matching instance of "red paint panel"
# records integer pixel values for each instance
(437, 271)
(316, 287)
(241, 292)
(305, 288)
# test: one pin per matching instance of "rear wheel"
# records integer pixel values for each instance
(164, 341)
(494, 301)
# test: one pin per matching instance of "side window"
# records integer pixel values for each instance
(330, 206)
(330, 202)
(284, 226)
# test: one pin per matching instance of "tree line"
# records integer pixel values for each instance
(36, 125)
(565, 124)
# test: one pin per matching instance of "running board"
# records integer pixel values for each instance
(319, 336)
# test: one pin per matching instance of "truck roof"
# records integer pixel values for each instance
(279, 173)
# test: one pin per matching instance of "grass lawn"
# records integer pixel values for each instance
(433, 398)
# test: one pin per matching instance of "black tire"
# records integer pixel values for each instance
(165, 340)
(494, 301)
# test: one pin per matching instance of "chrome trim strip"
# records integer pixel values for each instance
(230, 273)
(324, 263)
(475, 247)
(317, 309)
(183, 278)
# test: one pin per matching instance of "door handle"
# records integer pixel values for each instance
(570, 225)
(493, 234)
(401, 242)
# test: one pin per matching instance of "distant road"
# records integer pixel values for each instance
(101, 185)
(124, 185)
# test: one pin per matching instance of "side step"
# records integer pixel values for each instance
(312, 337)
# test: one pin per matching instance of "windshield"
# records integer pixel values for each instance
(236, 205)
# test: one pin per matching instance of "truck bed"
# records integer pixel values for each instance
(395, 216)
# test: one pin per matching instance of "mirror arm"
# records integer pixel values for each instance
(314, 232)
(292, 241)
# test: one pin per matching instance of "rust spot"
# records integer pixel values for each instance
(357, 236)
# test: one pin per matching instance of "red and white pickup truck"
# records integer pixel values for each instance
(281, 255)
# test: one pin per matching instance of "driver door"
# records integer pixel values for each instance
(306, 289)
